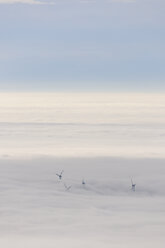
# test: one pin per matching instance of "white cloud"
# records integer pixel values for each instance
(122, 1)
(53, 2)
(25, 2)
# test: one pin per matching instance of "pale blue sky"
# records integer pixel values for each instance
(82, 45)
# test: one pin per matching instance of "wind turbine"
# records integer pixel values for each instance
(60, 175)
(67, 187)
(83, 182)
(133, 185)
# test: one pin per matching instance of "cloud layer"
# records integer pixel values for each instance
(24, 2)
(53, 2)
(36, 210)
(81, 124)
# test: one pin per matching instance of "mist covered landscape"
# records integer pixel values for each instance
(92, 137)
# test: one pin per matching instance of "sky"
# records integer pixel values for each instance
(104, 45)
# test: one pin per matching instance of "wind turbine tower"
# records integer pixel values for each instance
(133, 185)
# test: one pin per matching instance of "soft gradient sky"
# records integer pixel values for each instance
(82, 45)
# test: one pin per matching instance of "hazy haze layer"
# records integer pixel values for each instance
(82, 124)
